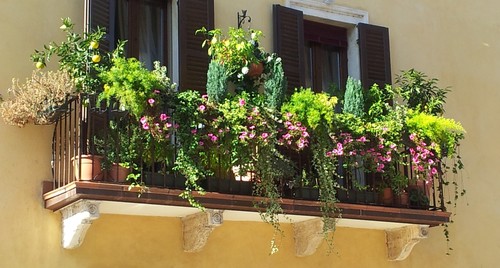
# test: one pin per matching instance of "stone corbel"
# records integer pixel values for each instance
(308, 235)
(196, 228)
(400, 241)
(76, 220)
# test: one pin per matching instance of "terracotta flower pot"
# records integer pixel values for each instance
(387, 196)
(118, 173)
(402, 199)
(90, 168)
(255, 69)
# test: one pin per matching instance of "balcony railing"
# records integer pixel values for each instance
(85, 130)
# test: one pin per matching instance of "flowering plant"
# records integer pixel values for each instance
(79, 56)
(237, 52)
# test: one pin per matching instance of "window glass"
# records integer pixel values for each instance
(143, 25)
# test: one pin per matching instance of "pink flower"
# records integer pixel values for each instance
(264, 135)
(204, 96)
(168, 125)
(202, 108)
(200, 143)
(252, 135)
(362, 139)
(242, 102)
(163, 117)
(143, 120)
(145, 126)
(413, 136)
(193, 131)
(380, 167)
(151, 101)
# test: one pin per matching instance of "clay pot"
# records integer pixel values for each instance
(255, 69)
(118, 173)
(402, 199)
(387, 197)
(90, 167)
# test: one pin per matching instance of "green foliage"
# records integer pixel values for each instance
(313, 109)
(378, 102)
(236, 51)
(444, 132)
(353, 99)
(216, 82)
(79, 56)
(275, 85)
(132, 85)
(421, 93)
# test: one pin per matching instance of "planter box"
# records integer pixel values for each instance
(307, 193)
(229, 186)
(170, 181)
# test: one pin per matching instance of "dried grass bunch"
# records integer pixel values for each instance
(39, 99)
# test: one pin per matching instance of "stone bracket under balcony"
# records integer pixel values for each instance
(196, 228)
(400, 241)
(76, 220)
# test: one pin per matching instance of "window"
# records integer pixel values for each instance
(155, 31)
(321, 54)
(143, 23)
(325, 51)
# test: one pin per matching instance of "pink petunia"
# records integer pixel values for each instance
(202, 108)
(163, 117)
(151, 101)
(242, 102)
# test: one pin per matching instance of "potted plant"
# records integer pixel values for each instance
(41, 100)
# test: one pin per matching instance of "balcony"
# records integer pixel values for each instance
(85, 129)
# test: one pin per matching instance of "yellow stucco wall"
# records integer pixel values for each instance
(455, 41)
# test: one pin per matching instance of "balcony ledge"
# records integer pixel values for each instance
(117, 199)
(82, 202)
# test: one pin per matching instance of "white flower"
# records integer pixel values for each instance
(253, 36)
(269, 58)
(244, 70)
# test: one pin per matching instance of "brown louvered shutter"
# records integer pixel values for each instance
(194, 14)
(289, 43)
(374, 53)
(101, 13)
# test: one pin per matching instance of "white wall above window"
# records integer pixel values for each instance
(346, 17)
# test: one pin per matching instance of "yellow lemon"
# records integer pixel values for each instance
(39, 65)
(94, 45)
(96, 58)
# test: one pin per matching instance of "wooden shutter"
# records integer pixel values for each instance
(101, 13)
(194, 14)
(374, 53)
(289, 43)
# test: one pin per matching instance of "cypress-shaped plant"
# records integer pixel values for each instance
(353, 99)
(275, 85)
(216, 82)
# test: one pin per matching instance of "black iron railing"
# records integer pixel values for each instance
(87, 133)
